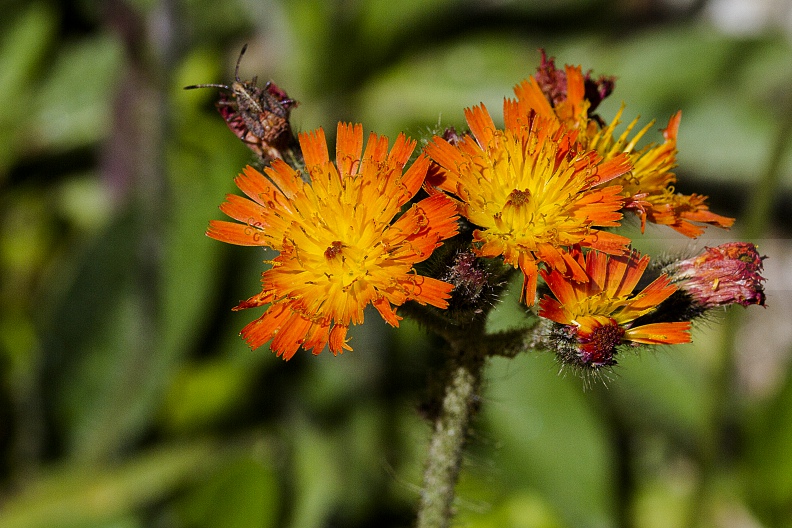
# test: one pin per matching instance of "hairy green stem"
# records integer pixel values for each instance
(447, 440)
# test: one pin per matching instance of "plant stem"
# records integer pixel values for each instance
(448, 438)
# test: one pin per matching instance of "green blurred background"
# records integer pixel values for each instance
(127, 398)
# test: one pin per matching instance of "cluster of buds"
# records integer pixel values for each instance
(539, 196)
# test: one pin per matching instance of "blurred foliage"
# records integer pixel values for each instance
(127, 398)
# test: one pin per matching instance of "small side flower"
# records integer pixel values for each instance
(596, 316)
(340, 248)
(727, 274)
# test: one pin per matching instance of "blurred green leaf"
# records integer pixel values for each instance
(317, 475)
(80, 496)
(435, 86)
(521, 509)
(769, 469)
(551, 437)
(72, 106)
(201, 394)
(241, 494)
(669, 385)
(99, 340)
(22, 48)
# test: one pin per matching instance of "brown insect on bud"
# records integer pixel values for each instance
(259, 116)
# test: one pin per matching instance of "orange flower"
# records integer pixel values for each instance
(648, 188)
(598, 314)
(339, 249)
(531, 192)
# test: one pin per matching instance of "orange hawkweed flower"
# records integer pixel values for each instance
(339, 249)
(598, 314)
(648, 188)
(531, 191)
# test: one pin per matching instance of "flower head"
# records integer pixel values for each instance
(649, 188)
(340, 249)
(531, 191)
(722, 275)
(598, 315)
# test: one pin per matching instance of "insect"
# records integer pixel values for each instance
(259, 116)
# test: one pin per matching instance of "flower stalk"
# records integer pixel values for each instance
(448, 439)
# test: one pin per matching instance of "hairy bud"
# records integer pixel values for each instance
(722, 275)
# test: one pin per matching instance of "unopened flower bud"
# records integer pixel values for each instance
(469, 279)
(450, 134)
(258, 115)
(722, 275)
(553, 83)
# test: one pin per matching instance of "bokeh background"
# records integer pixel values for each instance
(127, 398)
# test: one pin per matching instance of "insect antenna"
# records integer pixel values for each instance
(239, 60)
(193, 86)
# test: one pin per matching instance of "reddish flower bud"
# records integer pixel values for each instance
(469, 280)
(551, 80)
(553, 83)
(723, 275)
(259, 116)
(450, 134)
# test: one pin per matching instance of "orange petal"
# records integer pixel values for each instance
(314, 147)
(613, 168)
(413, 179)
(660, 333)
(576, 90)
(234, 233)
(290, 336)
(449, 158)
(376, 150)
(636, 265)
(260, 299)
(349, 146)
(385, 309)
(561, 287)
(670, 132)
(596, 269)
(261, 330)
(256, 186)
(528, 92)
(338, 340)
(551, 309)
(658, 291)
(427, 290)
(287, 179)
(481, 124)
(244, 210)
(530, 274)
(607, 242)
(317, 338)
(402, 150)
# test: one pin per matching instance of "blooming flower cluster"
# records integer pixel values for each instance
(542, 194)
